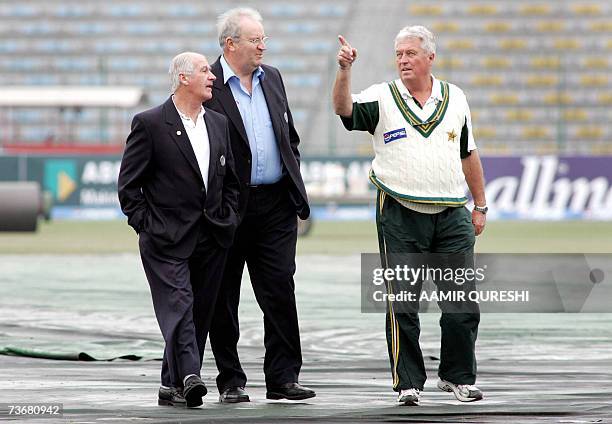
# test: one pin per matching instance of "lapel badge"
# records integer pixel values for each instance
(286, 119)
(178, 132)
(222, 160)
(452, 135)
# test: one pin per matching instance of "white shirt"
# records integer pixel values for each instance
(198, 137)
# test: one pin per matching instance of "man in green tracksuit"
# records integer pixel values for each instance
(424, 152)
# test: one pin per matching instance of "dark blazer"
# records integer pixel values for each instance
(161, 189)
(282, 123)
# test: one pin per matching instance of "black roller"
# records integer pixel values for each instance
(20, 205)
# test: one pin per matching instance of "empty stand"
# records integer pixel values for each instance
(536, 72)
(88, 42)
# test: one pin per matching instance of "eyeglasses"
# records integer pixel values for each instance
(257, 41)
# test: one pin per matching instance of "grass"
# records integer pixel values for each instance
(333, 238)
(75, 237)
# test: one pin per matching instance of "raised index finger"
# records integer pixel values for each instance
(343, 41)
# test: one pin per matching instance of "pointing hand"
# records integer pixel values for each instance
(346, 54)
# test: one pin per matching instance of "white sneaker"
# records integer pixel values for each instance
(463, 392)
(409, 397)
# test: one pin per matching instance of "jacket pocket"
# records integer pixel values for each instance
(165, 223)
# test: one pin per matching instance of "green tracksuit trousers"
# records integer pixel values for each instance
(402, 230)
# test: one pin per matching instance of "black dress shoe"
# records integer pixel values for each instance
(193, 391)
(290, 391)
(171, 396)
(234, 395)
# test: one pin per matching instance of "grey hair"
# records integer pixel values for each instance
(182, 63)
(428, 41)
(228, 23)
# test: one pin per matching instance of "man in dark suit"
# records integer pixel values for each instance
(265, 146)
(179, 190)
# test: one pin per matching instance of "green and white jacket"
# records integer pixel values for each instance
(417, 152)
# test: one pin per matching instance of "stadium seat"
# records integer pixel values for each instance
(39, 79)
(286, 10)
(603, 26)
(605, 98)
(519, 115)
(483, 9)
(74, 10)
(535, 9)
(497, 26)
(180, 10)
(596, 62)
(34, 133)
(316, 46)
(301, 27)
(546, 62)
(483, 132)
(122, 10)
(448, 63)
(587, 9)
(556, 98)
(28, 116)
(445, 26)
(504, 99)
(604, 149)
(594, 80)
(498, 62)
(588, 132)
(29, 64)
(36, 28)
(538, 132)
(545, 149)
(421, 10)
(22, 10)
(460, 44)
(566, 44)
(551, 26)
(331, 10)
(488, 80)
(513, 44)
(574, 115)
(547, 80)
(303, 80)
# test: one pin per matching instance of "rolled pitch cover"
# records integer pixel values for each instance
(20, 205)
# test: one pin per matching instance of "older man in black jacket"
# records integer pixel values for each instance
(272, 195)
(178, 187)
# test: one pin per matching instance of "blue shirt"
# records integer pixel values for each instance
(266, 166)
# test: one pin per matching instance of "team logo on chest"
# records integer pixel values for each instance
(452, 135)
(394, 135)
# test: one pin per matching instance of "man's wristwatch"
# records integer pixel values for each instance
(482, 209)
